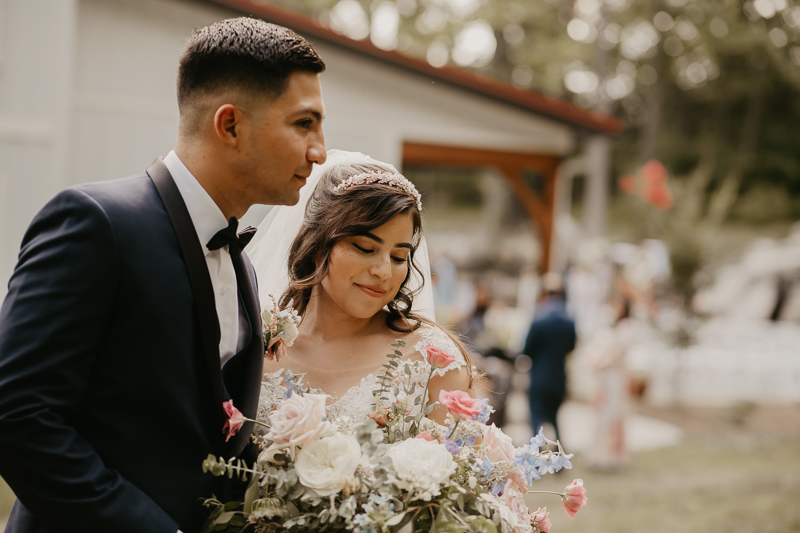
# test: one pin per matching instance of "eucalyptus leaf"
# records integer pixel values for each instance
(232, 506)
(408, 527)
(250, 495)
(396, 519)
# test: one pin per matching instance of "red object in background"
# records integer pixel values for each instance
(650, 184)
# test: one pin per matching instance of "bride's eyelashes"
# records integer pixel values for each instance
(398, 260)
(363, 250)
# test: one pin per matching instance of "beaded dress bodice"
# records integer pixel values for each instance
(359, 401)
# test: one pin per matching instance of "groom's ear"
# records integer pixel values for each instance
(228, 124)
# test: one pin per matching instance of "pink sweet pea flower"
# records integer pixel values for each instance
(425, 435)
(541, 519)
(438, 358)
(574, 498)
(460, 404)
(234, 422)
(428, 435)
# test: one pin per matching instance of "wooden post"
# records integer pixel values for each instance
(512, 166)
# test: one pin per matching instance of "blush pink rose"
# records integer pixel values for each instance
(234, 422)
(501, 449)
(574, 498)
(438, 358)
(513, 500)
(460, 404)
(297, 421)
(541, 519)
(500, 446)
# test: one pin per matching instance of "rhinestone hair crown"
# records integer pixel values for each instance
(387, 178)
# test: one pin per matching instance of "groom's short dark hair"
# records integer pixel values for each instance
(243, 53)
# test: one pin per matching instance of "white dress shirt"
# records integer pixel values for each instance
(208, 219)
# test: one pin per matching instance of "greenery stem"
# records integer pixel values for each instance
(245, 419)
(425, 396)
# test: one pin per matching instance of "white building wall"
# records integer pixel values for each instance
(87, 93)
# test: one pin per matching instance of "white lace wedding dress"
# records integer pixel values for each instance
(358, 401)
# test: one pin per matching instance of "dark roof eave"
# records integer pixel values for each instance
(537, 102)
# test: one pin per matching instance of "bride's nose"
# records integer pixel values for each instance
(381, 268)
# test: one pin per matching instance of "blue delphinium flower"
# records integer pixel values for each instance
(486, 411)
(497, 488)
(562, 461)
(544, 465)
(291, 386)
(487, 467)
(468, 441)
(526, 461)
(539, 440)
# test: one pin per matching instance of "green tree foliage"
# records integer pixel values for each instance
(708, 86)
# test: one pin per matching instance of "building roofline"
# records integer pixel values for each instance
(535, 101)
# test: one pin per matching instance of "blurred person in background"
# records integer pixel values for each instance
(550, 339)
(612, 388)
(480, 340)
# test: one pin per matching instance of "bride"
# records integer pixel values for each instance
(351, 259)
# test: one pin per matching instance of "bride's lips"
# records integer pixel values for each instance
(371, 290)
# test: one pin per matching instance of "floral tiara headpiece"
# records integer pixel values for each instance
(387, 178)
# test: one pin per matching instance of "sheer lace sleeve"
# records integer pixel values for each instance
(272, 393)
(441, 341)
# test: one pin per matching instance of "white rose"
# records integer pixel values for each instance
(421, 465)
(328, 465)
(289, 333)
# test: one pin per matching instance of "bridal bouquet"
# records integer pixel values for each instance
(394, 472)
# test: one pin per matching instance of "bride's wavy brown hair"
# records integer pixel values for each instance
(333, 215)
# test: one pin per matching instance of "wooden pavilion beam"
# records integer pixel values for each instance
(512, 166)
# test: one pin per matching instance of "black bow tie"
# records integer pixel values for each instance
(229, 237)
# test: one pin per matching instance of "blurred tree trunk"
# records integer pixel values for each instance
(722, 201)
(598, 160)
(648, 141)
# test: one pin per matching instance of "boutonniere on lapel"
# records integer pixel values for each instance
(279, 327)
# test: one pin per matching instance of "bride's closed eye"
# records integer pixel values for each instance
(396, 259)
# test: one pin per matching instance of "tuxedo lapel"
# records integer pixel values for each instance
(196, 266)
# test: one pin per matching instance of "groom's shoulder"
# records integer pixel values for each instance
(130, 196)
(121, 193)
(122, 203)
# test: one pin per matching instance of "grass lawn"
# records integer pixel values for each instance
(6, 500)
(724, 477)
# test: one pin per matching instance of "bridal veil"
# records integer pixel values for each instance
(269, 250)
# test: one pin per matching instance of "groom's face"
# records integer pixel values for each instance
(284, 140)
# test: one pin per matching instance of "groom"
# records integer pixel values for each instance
(132, 314)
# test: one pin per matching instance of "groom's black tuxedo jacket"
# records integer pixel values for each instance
(110, 384)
